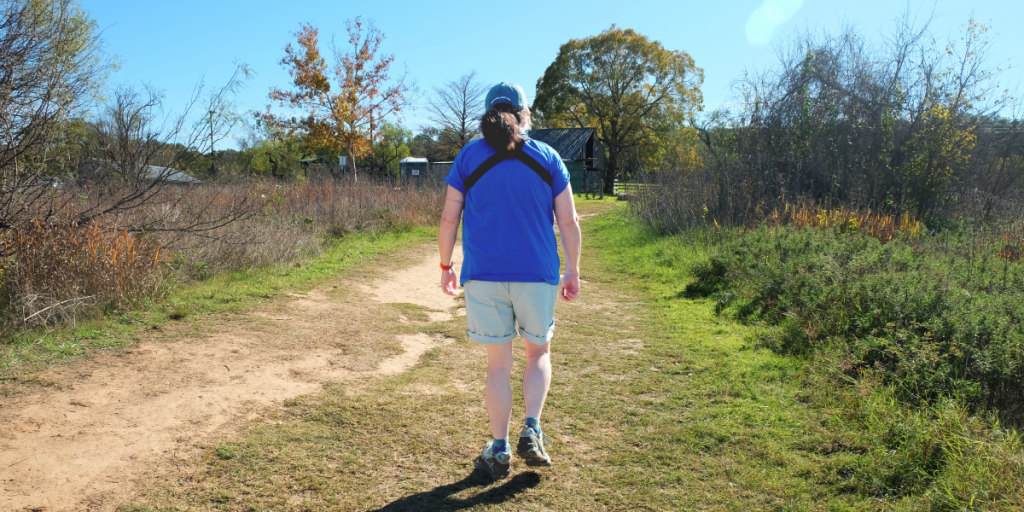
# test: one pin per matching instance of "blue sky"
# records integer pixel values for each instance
(172, 45)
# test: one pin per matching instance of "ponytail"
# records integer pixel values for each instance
(500, 127)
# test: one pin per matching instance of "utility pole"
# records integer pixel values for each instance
(213, 168)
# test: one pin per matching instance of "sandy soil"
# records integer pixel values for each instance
(114, 420)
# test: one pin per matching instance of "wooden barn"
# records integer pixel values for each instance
(581, 152)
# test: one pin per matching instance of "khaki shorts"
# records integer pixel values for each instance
(495, 309)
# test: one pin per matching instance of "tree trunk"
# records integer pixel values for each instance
(610, 172)
(352, 164)
(274, 171)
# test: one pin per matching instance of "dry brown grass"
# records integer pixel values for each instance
(57, 270)
(294, 222)
(53, 269)
(682, 203)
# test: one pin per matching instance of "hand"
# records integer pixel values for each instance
(569, 288)
(449, 282)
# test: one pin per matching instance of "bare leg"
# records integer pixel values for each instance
(537, 378)
(498, 395)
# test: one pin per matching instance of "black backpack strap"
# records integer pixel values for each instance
(532, 163)
(497, 158)
(477, 173)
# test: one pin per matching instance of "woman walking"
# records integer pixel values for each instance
(508, 186)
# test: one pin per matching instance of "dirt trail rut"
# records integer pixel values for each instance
(117, 419)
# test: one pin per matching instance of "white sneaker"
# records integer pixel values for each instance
(495, 464)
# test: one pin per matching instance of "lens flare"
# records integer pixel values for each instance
(765, 19)
(759, 28)
(773, 13)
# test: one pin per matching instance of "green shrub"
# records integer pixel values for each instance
(934, 317)
(178, 311)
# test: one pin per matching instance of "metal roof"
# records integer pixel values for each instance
(570, 143)
(154, 172)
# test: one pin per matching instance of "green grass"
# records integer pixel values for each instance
(855, 441)
(720, 425)
(586, 205)
(937, 319)
(657, 403)
(233, 292)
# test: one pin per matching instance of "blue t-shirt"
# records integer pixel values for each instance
(508, 226)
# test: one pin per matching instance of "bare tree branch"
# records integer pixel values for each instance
(456, 108)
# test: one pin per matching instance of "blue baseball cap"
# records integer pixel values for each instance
(505, 92)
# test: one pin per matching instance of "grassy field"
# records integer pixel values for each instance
(656, 404)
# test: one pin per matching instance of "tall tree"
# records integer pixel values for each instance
(634, 91)
(349, 117)
(392, 148)
(456, 108)
(426, 144)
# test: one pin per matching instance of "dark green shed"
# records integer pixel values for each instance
(581, 152)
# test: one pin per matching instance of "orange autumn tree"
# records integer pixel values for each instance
(345, 116)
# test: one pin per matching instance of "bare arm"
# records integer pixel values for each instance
(569, 227)
(447, 233)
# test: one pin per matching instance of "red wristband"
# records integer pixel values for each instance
(449, 267)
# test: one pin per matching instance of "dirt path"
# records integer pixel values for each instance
(115, 420)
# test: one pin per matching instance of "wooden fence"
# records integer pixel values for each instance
(630, 187)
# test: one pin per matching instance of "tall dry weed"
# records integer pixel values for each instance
(847, 220)
(680, 203)
(1013, 243)
(296, 219)
(53, 269)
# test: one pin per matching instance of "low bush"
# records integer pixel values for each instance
(934, 317)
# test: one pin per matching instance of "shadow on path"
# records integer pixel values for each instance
(441, 499)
